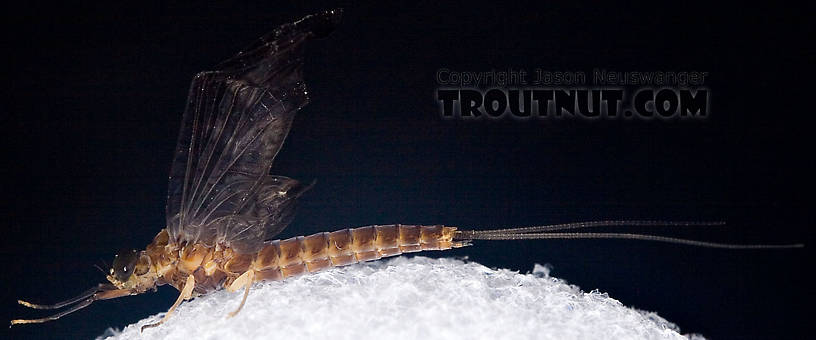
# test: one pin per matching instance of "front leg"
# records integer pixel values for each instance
(186, 293)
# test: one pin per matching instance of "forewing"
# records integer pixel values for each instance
(235, 122)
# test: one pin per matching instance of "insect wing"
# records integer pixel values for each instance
(235, 122)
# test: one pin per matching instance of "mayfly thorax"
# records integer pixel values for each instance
(224, 208)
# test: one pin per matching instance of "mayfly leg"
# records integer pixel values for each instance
(88, 293)
(186, 293)
(75, 308)
(244, 280)
(102, 292)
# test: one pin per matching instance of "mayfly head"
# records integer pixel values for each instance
(132, 273)
(132, 270)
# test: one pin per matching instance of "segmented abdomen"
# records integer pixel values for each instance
(285, 258)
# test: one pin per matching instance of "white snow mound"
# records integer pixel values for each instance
(410, 298)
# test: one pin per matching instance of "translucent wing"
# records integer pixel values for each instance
(236, 120)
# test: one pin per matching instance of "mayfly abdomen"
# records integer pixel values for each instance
(280, 259)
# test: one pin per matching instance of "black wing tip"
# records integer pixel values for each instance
(316, 25)
(320, 24)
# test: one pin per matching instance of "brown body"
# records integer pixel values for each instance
(220, 188)
(197, 269)
(218, 267)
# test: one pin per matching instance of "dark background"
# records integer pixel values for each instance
(94, 97)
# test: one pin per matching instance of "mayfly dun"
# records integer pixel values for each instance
(224, 208)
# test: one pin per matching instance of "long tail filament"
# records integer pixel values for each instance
(547, 232)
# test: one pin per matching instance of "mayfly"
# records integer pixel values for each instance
(223, 206)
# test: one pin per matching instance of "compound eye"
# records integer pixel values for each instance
(124, 263)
